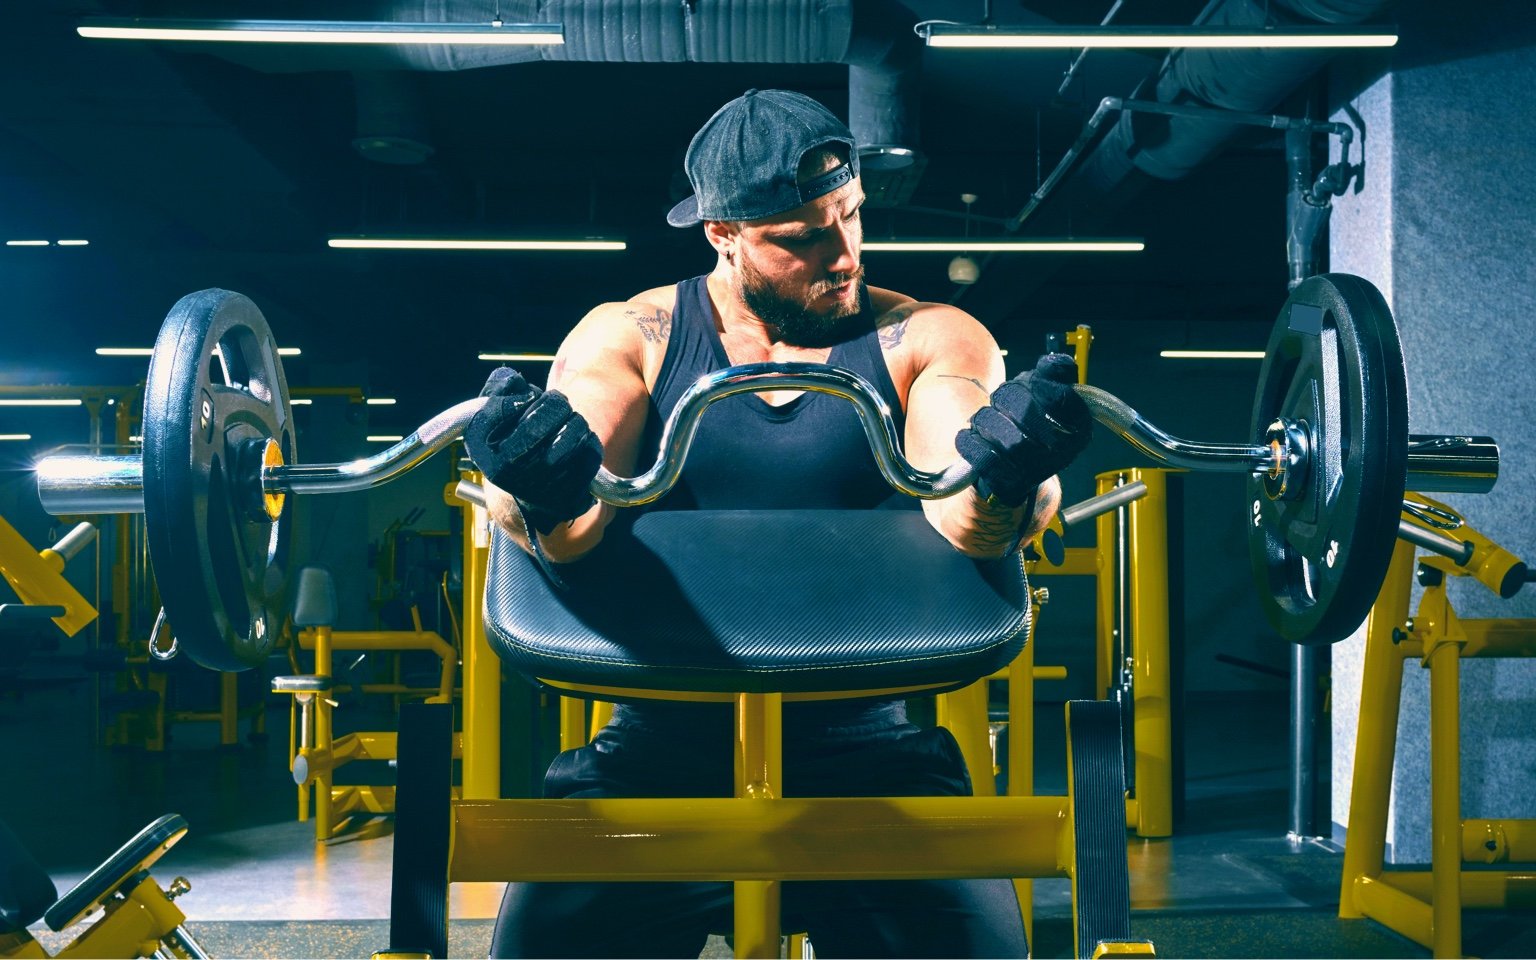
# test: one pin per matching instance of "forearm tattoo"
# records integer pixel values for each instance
(892, 325)
(997, 527)
(655, 324)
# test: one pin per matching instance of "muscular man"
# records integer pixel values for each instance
(777, 192)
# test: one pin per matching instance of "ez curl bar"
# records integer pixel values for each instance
(1326, 472)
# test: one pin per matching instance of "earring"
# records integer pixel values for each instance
(730, 258)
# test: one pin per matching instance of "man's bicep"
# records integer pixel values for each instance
(603, 379)
(943, 398)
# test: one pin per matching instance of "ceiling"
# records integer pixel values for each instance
(187, 170)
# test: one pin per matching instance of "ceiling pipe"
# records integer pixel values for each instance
(872, 37)
(1254, 81)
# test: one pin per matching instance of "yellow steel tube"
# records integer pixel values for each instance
(1021, 745)
(759, 779)
(839, 838)
(1445, 796)
(573, 723)
(1152, 668)
(323, 738)
(1376, 733)
(1381, 901)
(482, 670)
(1498, 841)
(1483, 889)
(1104, 568)
(229, 710)
(964, 713)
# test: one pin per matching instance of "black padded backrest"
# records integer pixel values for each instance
(786, 601)
(26, 890)
(314, 601)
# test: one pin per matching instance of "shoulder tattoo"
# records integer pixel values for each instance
(655, 323)
(892, 325)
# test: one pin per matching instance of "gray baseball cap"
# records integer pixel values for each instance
(744, 160)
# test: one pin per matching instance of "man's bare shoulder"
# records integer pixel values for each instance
(901, 320)
(645, 318)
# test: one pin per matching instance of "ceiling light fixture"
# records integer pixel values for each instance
(1118, 245)
(380, 401)
(321, 31)
(384, 438)
(990, 36)
(424, 243)
(300, 401)
(15, 436)
(150, 351)
(26, 243)
(518, 357)
(1212, 354)
(40, 403)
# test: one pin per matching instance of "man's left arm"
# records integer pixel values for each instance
(957, 366)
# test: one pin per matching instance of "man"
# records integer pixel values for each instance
(777, 191)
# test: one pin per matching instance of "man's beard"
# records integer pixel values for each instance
(792, 316)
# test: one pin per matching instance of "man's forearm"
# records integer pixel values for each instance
(981, 529)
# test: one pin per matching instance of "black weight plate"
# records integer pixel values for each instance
(1335, 363)
(215, 394)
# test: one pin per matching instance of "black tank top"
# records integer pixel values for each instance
(810, 453)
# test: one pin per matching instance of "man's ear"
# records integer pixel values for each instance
(722, 235)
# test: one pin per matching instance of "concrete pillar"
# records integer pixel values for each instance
(1444, 222)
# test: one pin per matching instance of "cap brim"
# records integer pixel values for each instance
(686, 213)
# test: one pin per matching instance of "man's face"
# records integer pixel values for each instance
(800, 272)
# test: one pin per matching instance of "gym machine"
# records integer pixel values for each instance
(1325, 472)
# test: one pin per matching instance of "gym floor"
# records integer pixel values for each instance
(1228, 884)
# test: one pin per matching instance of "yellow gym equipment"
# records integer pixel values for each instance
(1426, 907)
(315, 751)
(138, 918)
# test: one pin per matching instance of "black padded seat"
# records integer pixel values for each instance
(314, 601)
(760, 601)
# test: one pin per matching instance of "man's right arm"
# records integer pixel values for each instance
(601, 369)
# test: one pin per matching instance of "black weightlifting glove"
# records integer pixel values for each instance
(1035, 425)
(530, 443)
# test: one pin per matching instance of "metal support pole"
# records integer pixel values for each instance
(1302, 824)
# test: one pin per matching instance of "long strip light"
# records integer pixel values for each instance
(15, 436)
(985, 36)
(385, 438)
(47, 243)
(519, 357)
(150, 351)
(1116, 245)
(321, 31)
(423, 243)
(74, 402)
(1212, 354)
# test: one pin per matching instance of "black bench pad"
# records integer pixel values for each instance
(789, 601)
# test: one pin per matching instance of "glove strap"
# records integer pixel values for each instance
(545, 564)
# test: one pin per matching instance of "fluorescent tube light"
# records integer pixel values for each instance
(321, 31)
(380, 401)
(15, 436)
(26, 243)
(150, 351)
(74, 243)
(385, 438)
(1119, 245)
(40, 403)
(1212, 354)
(515, 357)
(300, 401)
(422, 243)
(1075, 38)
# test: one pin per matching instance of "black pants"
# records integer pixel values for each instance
(888, 918)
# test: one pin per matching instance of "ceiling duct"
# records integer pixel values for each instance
(1251, 80)
(873, 37)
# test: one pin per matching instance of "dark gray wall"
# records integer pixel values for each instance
(1443, 225)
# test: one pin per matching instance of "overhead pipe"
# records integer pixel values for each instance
(872, 37)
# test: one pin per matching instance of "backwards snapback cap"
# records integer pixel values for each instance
(743, 163)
